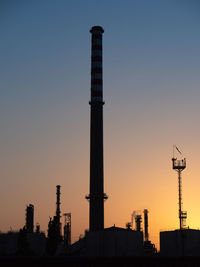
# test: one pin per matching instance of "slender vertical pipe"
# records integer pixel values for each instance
(58, 204)
(146, 233)
(180, 199)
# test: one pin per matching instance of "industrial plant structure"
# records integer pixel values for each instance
(54, 237)
(67, 229)
(98, 241)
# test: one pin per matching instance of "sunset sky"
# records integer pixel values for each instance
(151, 67)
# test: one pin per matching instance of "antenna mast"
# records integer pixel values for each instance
(179, 166)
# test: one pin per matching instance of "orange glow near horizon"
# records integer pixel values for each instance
(132, 184)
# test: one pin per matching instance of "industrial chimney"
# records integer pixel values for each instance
(58, 202)
(97, 195)
(138, 220)
(29, 218)
(146, 233)
(58, 209)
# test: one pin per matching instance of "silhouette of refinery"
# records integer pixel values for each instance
(131, 241)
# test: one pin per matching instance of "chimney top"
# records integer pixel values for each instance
(97, 30)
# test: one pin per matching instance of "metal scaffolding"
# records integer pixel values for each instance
(179, 166)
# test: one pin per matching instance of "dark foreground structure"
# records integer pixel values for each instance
(180, 243)
(101, 262)
(111, 242)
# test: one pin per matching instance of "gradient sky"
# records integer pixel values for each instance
(151, 89)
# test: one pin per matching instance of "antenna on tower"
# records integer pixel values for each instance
(179, 166)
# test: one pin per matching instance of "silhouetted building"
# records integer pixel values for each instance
(37, 243)
(97, 195)
(179, 243)
(8, 243)
(111, 242)
(29, 218)
(22, 243)
(114, 242)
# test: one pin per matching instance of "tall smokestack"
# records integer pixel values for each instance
(146, 233)
(97, 195)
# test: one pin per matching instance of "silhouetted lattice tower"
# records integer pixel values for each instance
(179, 166)
(67, 229)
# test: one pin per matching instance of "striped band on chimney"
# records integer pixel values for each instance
(96, 64)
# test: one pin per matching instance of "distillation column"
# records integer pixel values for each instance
(29, 218)
(58, 209)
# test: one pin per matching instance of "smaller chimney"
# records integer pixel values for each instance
(29, 218)
(146, 233)
(138, 220)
